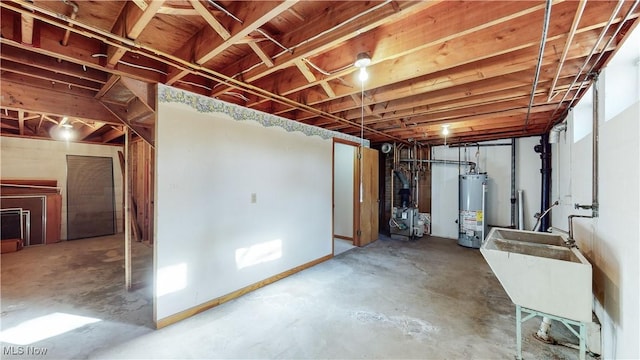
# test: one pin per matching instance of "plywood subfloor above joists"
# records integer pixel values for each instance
(472, 65)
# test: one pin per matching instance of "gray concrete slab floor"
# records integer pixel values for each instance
(427, 299)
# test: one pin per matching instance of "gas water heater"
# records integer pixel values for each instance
(472, 190)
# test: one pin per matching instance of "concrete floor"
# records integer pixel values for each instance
(340, 246)
(428, 299)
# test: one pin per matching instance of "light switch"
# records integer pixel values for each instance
(254, 198)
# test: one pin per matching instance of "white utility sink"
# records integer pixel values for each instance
(540, 272)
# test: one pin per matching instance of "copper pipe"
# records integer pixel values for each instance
(65, 39)
(67, 33)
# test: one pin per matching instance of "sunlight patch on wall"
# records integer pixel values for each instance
(171, 279)
(44, 327)
(259, 253)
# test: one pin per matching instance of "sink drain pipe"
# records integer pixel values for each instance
(544, 149)
(543, 331)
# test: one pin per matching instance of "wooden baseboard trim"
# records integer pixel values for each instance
(223, 299)
(343, 237)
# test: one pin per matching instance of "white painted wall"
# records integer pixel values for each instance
(47, 160)
(611, 241)
(528, 178)
(343, 182)
(211, 238)
(444, 193)
(496, 161)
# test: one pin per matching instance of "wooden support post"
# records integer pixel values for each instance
(126, 215)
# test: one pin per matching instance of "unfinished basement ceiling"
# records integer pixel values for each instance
(472, 65)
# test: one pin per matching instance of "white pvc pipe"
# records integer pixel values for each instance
(545, 328)
(520, 210)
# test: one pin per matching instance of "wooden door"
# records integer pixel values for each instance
(369, 201)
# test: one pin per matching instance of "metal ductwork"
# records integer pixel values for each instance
(403, 179)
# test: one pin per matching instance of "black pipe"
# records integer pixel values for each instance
(545, 194)
(513, 183)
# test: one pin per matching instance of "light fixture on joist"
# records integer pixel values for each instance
(362, 61)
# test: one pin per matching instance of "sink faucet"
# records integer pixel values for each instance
(571, 239)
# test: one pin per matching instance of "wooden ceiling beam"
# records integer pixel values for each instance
(49, 75)
(122, 113)
(6, 123)
(311, 77)
(26, 25)
(306, 72)
(452, 119)
(46, 84)
(17, 96)
(567, 45)
(368, 109)
(81, 56)
(43, 62)
(39, 126)
(328, 89)
(210, 19)
(111, 135)
(84, 51)
(426, 33)
(266, 59)
(145, 92)
(495, 98)
(178, 11)
(507, 66)
(137, 21)
(339, 24)
(384, 101)
(113, 79)
(131, 23)
(87, 130)
(205, 45)
(488, 44)
(8, 114)
(29, 116)
(21, 121)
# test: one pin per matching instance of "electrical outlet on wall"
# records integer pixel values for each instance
(254, 198)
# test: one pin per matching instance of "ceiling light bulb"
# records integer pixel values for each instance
(445, 129)
(66, 134)
(363, 76)
(65, 131)
(362, 60)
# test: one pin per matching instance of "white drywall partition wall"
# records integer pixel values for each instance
(237, 201)
(343, 191)
(35, 159)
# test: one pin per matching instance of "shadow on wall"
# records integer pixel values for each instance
(606, 276)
